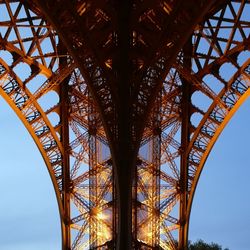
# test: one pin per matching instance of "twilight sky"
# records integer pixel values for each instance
(29, 218)
(221, 206)
(28, 213)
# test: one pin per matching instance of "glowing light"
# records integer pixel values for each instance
(167, 8)
(103, 231)
(82, 8)
(101, 216)
(104, 234)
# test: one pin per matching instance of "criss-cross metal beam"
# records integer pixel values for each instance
(115, 112)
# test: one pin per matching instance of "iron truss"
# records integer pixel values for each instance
(125, 100)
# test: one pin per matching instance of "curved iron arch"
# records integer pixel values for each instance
(209, 57)
(161, 135)
(238, 89)
(234, 91)
(36, 122)
(85, 132)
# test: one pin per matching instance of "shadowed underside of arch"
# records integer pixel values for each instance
(124, 153)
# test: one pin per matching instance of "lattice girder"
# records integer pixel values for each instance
(125, 65)
(116, 75)
(33, 76)
(234, 84)
(145, 19)
(226, 91)
(220, 78)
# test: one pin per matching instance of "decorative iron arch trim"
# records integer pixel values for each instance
(242, 98)
(32, 132)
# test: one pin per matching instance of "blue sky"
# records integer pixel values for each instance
(221, 206)
(28, 213)
(29, 216)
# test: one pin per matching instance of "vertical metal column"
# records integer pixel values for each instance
(135, 206)
(66, 183)
(93, 182)
(156, 160)
(185, 138)
(124, 157)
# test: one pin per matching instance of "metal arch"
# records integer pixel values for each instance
(78, 123)
(13, 39)
(224, 105)
(144, 18)
(27, 119)
(230, 97)
(100, 169)
(206, 148)
(211, 144)
(28, 110)
(160, 173)
(70, 23)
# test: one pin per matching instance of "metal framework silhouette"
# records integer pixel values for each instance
(125, 100)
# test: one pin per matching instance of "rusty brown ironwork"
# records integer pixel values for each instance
(125, 100)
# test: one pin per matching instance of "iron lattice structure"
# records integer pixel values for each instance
(125, 100)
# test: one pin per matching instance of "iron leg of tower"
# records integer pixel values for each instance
(124, 228)
(183, 241)
(124, 201)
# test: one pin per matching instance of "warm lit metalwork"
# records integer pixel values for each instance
(125, 100)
